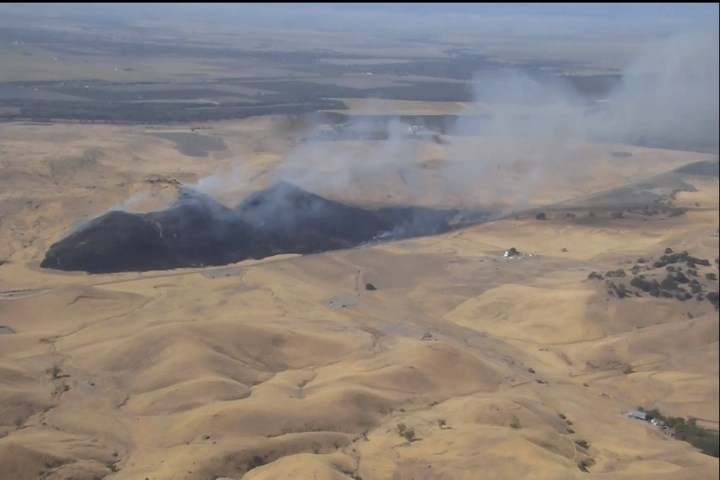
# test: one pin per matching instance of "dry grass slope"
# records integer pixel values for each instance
(291, 368)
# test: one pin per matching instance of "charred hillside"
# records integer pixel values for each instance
(197, 231)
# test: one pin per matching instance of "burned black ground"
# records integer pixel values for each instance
(197, 231)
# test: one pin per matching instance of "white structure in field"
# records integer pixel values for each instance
(639, 415)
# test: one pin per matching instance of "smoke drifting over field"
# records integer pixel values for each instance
(670, 94)
(668, 98)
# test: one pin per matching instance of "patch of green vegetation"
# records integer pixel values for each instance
(708, 441)
(155, 112)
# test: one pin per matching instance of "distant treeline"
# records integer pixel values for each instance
(120, 112)
(103, 102)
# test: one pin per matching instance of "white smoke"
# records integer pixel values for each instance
(668, 97)
(537, 127)
(225, 185)
(669, 93)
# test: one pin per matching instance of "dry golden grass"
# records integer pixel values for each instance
(167, 375)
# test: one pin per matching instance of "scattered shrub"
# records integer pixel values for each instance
(681, 257)
(616, 273)
(54, 372)
(585, 464)
(254, 462)
(669, 283)
(680, 277)
(651, 287)
(677, 211)
(405, 432)
(617, 290)
(713, 298)
(582, 443)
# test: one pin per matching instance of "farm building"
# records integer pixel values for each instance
(639, 415)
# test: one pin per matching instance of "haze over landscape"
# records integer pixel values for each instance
(359, 241)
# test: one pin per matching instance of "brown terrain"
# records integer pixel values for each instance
(291, 368)
(430, 358)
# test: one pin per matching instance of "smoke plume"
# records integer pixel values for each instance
(536, 127)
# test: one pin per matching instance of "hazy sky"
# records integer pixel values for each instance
(491, 18)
